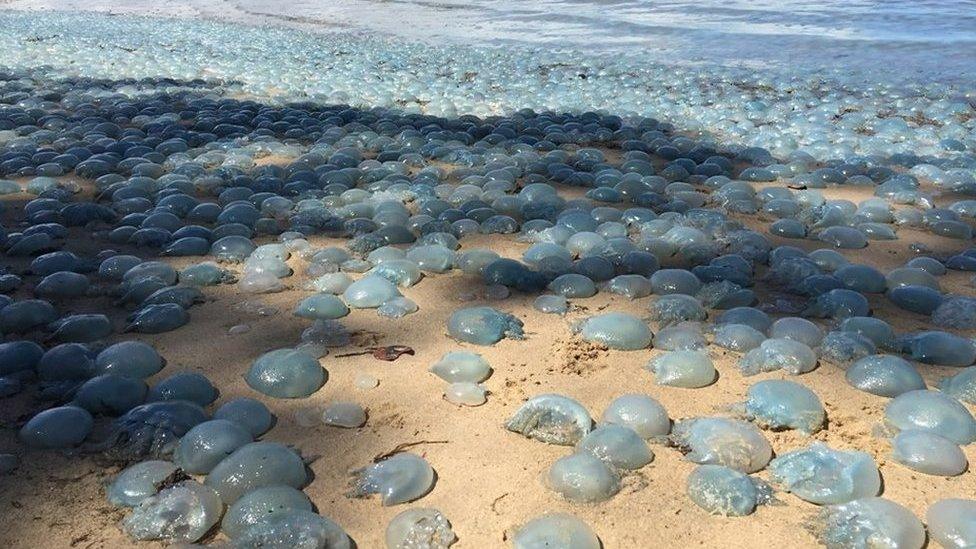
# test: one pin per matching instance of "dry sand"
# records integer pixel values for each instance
(488, 479)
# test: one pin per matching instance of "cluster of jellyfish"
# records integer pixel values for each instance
(171, 181)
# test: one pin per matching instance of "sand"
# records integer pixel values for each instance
(488, 479)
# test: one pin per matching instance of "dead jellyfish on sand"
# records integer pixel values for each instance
(934, 412)
(183, 512)
(553, 419)
(868, 523)
(619, 446)
(61, 427)
(616, 330)
(884, 375)
(286, 373)
(419, 528)
(555, 530)
(138, 482)
(779, 354)
(687, 369)
(347, 415)
(256, 465)
(152, 429)
(721, 441)
(248, 413)
(641, 413)
(397, 479)
(292, 528)
(928, 453)
(819, 474)
(484, 326)
(583, 478)
(782, 404)
(207, 444)
(461, 366)
(952, 523)
(724, 491)
(259, 504)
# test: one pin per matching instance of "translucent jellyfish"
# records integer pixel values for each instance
(81, 328)
(483, 326)
(248, 413)
(207, 444)
(458, 366)
(111, 394)
(65, 362)
(583, 478)
(618, 445)
(748, 316)
(61, 427)
(292, 528)
(928, 453)
(724, 491)
(843, 237)
(259, 504)
(917, 299)
(870, 522)
(551, 304)
(19, 356)
(675, 281)
(397, 479)
(941, 348)
(631, 286)
(641, 413)
(822, 475)
(286, 373)
(688, 369)
(347, 415)
(402, 272)
(934, 412)
(956, 312)
(884, 375)
(153, 429)
(184, 296)
(206, 274)
(617, 330)
(465, 393)
(961, 386)
(233, 248)
(331, 283)
(782, 404)
(432, 258)
(419, 528)
(875, 329)
(138, 482)
(183, 512)
(397, 307)
(553, 419)
(555, 530)
(62, 285)
(908, 276)
(321, 306)
(797, 329)
(573, 285)
(190, 386)
(839, 303)
(775, 354)
(686, 336)
(845, 347)
(952, 523)
(671, 309)
(370, 292)
(738, 337)
(23, 316)
(720, 441)
(156, 319)
(256, 465)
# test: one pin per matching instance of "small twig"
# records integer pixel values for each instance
(499, 498)
(403, 446)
